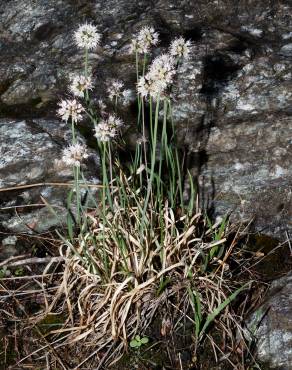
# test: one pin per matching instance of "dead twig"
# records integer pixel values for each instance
(41, 184)
(31, 261)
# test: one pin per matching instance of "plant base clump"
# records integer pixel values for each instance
(118, 281)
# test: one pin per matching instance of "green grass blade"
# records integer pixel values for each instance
(221, 307)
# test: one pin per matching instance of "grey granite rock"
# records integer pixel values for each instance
(30, 152)
(249, 147)
(272, 326)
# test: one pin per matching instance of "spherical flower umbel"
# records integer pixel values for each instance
(75, 154)
(146, 38)
(135, 47)
(70, 108)
(107, 129)
(114, 122)
(145, 86)
(162, 69)
(80, 84)
(87, 36)
(159, 77)
(115, 89)
(103, 132)
(180, 48)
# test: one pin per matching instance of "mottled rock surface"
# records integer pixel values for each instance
(30, 152)
(272, 326)
(232, 99)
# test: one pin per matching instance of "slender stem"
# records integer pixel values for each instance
(76, 176)
(144, 139)
(178, 165)
(163, 152)
(116, 104)
(110, 164)
(151, 119)
(104, 190)
(86, 73)
(105, 181)
(137, 66)
(153, 157)
(73, 132)
(77, 190)
(138, 96)
(144, 64)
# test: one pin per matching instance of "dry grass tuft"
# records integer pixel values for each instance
(120, 276)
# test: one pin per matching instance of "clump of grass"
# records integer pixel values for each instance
(117, 281)
(139, 247)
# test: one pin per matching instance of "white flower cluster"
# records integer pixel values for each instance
(80, 84)
(180, 48)
(107, 129)
(146, 38)
(70, 108)
(115, 89)
(87, 36)
(75, 154)
(159, 77)
(101, 105)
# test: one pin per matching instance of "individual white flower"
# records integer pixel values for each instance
(80, 84)
(75, 154)
(70, 108)
(180, 48)
(146, 38)
(87, 36)
(115, 89)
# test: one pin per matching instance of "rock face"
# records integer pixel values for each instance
(232, 98)
(274, 322)
(29, 154)
(249, 147)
